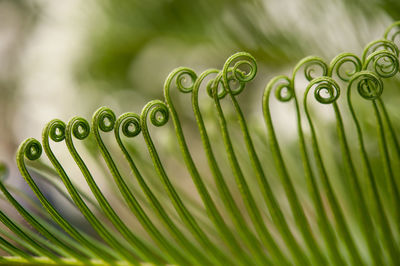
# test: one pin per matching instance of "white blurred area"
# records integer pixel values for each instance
(39, 48)
(47, 89)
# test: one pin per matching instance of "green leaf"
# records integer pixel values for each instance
(267, 209)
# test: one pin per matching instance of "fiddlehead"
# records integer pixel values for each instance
(56, 130)
(80, 128)
(31, 149)
(284, 92)
(392, 32)
(383, 62)
(310, 66)
(129, 124)
(379, 45)
(344, 66)
(209, 87)
(184, 80)
(326, 90)
(240, 68)
(159, 114)
(369, 86)
(104, 119)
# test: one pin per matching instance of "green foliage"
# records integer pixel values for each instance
(266, 217)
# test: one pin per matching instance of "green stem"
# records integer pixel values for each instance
(31, 148)
(212, 211)
(158, 112)
(364, 217)
(124, 121)
(250, 203)
(50, 131)
(233, 210)
(99, 121)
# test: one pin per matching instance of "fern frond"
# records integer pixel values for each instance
(249, 214)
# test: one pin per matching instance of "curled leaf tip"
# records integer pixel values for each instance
(104, 118)
(31, 149)
(55, 129)
(326, 90)
(369, 85)
(345, 65)
(129, 124)
(79, 127)
(238, 69)
(392, 32)
(184, 80)
(157, 111)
